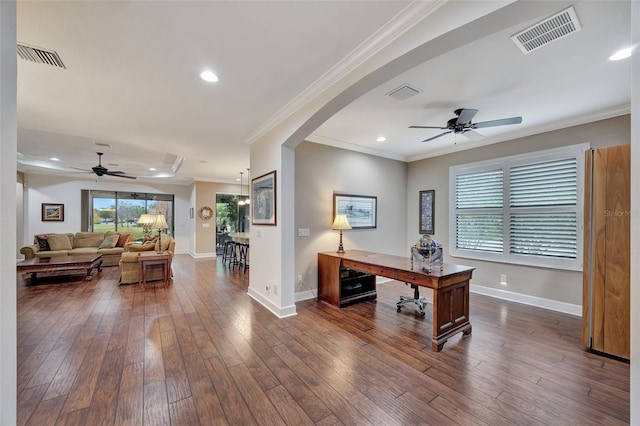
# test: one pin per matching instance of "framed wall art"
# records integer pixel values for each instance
(427, 204)
(52, 212)
(263, 199)
(361, 210)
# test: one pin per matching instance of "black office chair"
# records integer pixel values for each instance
(416, 299)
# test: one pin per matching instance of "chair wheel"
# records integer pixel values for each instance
(399, 309)
(422, 314)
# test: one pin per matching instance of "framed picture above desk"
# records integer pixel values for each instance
(361, 210)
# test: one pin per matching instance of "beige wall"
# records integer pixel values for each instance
(433, 173)
(321, 170)
(205, 230)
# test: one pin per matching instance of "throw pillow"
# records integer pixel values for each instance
(43, 244)
(142, 247)
(109, 242)
(123, 239)
(59, 242)
(163, 243)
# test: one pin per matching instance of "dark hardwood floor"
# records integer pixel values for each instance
(200, 351)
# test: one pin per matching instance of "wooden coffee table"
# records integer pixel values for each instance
(81, 262)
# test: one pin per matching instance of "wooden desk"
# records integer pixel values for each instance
(147, 259)
(450, 286)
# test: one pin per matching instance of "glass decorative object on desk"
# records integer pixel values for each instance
(429, 252)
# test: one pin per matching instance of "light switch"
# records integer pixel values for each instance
(303, 232)
(205, 225)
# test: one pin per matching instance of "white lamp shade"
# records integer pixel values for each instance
(341, 222)
(146, 219)
(159, 222)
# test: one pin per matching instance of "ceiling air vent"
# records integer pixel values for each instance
(403, 92)
(39, 55)
(551, 29)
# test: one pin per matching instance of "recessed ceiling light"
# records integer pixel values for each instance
(209, 76)
(153, 169)
(381, 139)
(621, 54)
(54, 159)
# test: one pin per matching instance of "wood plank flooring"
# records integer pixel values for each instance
(200, 351)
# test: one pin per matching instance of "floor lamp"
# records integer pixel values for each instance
(160, 223)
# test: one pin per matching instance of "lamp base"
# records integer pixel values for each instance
(340, 246)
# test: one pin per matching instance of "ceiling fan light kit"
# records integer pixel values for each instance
(462, 124)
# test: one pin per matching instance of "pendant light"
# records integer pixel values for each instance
(248, 200)
(241, 202)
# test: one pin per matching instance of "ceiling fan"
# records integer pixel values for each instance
(100, 170)
(462, 124)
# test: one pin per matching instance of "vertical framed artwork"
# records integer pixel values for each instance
(427, 204)
(263, 199)
(361, 210)
(52, 212)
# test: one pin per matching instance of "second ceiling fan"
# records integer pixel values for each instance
(462, 124)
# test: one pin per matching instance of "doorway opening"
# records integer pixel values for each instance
(231, 217)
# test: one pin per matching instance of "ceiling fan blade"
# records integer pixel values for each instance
(119, 174)
(501, 122)
(465, 115)
(474, 136)
(427, 127)
(437, 136)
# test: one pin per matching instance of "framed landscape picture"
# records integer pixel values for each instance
(361, 210)
(427, 203)
(263, 199)
(52, 212)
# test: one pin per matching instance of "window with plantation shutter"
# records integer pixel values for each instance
(525, 209)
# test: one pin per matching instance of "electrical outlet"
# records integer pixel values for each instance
(266, 288)
(299, 279)
(503, 279)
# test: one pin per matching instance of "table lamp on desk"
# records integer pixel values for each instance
(341, 223)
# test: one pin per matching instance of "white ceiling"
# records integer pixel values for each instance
(131, 81)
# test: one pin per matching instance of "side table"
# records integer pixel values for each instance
(147, 259)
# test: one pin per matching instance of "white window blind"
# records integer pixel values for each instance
(479, 199)
(543, 198)
(525, 209)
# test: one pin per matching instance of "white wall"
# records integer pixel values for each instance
(556, 285)
(322, 170)
(8, 152)
(55, 189)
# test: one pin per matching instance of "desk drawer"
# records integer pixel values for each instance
(350, 264)
(411, 277)
(384, 272)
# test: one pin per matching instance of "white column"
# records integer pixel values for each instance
(8, 147)
(635, 214)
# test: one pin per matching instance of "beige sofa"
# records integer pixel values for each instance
(129, 260)
(109, 244)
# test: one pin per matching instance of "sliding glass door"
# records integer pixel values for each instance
(119, 211)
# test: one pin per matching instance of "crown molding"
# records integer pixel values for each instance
(400, 24)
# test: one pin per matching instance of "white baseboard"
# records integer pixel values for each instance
(540, 302)
(202, 255)
(280, 312)
(306, 295)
